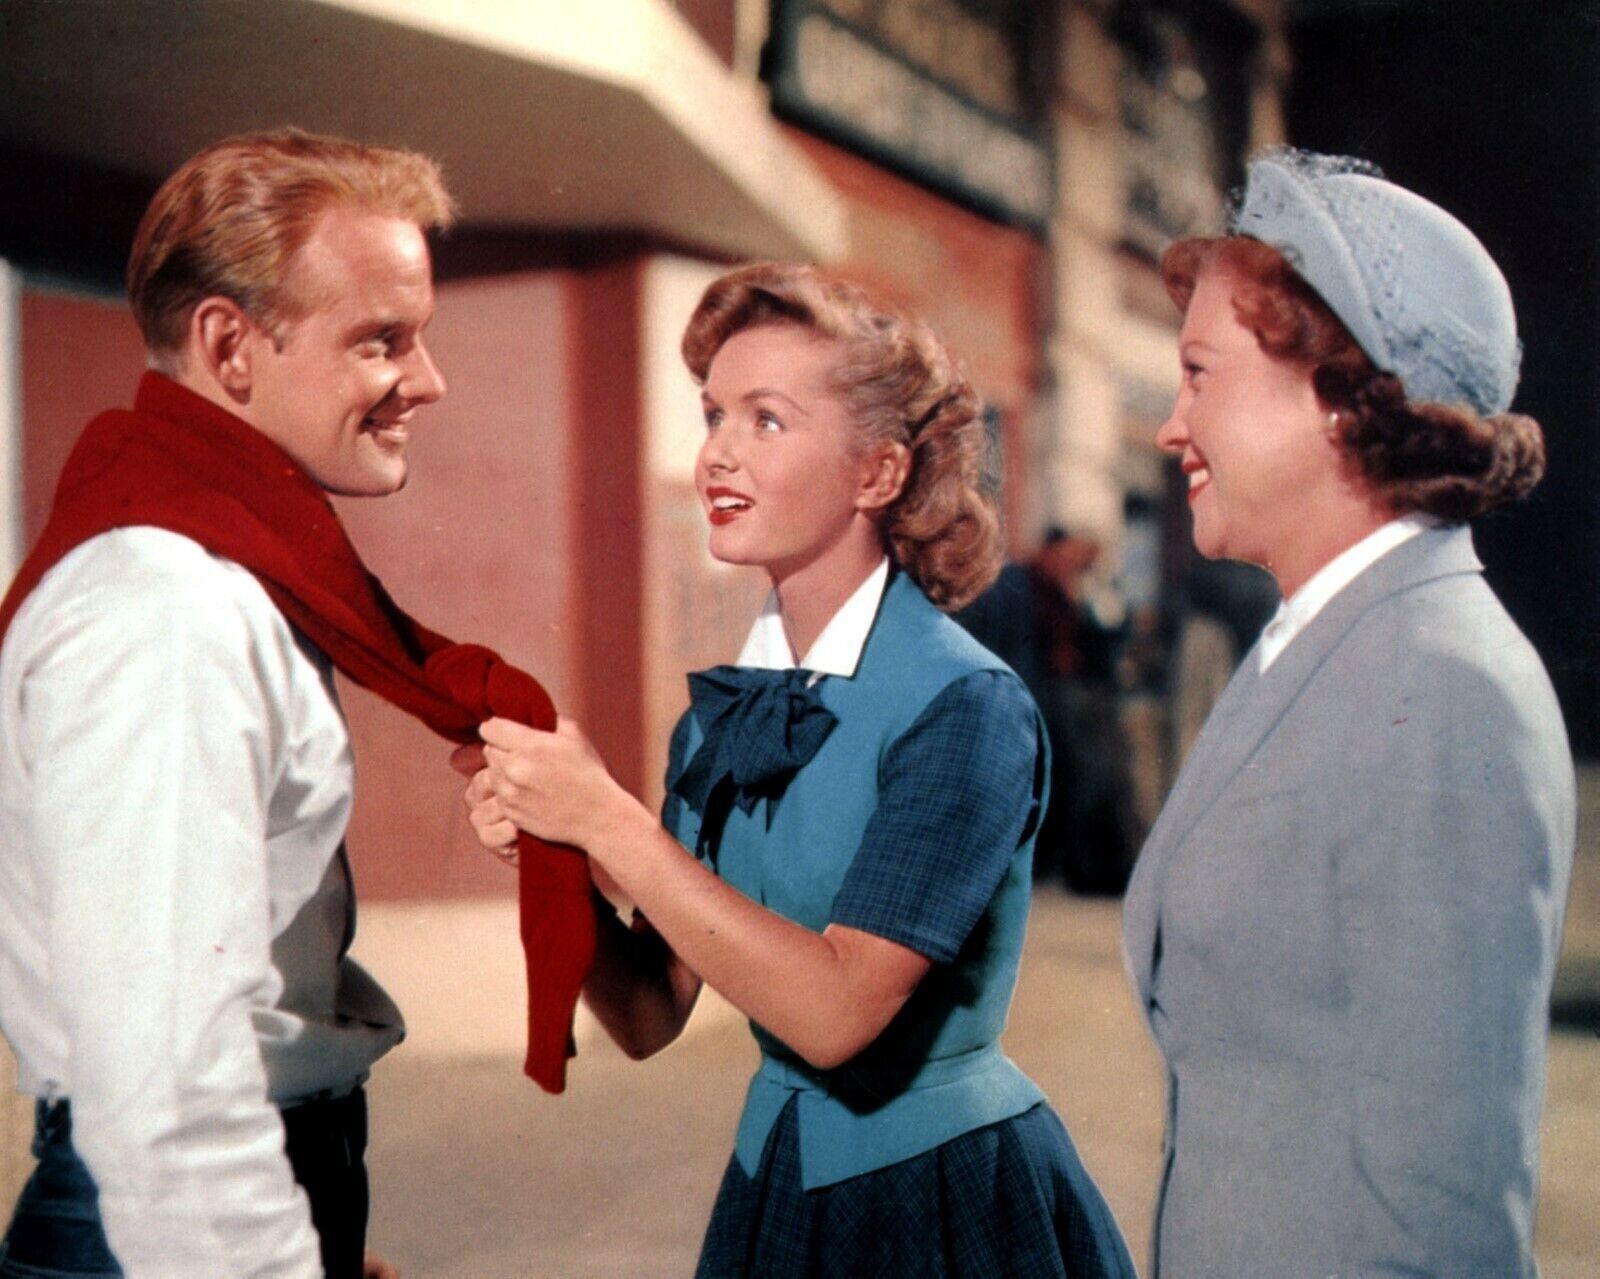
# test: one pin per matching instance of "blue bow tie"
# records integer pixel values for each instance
(760, 728)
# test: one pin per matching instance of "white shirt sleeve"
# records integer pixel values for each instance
(152, 726)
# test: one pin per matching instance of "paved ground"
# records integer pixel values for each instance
(478, 1175)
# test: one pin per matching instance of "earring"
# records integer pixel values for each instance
(1332, 429)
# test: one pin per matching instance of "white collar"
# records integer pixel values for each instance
(1296, 612)
(837, 650)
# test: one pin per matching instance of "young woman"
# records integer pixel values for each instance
(850, 818)
(1344, 926)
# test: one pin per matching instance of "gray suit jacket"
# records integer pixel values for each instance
(1344, 928)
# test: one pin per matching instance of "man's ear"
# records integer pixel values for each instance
(222, 345)
(883, 476)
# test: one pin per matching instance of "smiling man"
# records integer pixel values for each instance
(175, 775)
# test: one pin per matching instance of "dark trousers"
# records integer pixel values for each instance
(56, 1232)
(327, 1146)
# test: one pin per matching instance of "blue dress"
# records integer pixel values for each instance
(909, 811)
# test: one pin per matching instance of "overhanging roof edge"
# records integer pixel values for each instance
(644, 48)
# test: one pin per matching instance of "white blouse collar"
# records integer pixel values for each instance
(1296, 612)
(837, 650)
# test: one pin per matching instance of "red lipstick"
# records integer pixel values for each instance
(724, 505)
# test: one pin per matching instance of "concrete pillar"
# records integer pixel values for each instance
(1085, 490)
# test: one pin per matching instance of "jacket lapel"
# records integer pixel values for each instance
(1252, 705)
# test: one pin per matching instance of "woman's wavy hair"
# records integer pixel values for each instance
(901, 386)
(1441, 459)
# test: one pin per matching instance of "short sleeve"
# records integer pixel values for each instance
(958, 793)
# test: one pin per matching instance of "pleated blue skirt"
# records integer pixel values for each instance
(1010, 1199)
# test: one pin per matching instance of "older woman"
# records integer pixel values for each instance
(863, 791)
(1344, 926)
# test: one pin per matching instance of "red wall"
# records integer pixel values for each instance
(79, 355)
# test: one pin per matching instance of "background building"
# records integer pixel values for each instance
(1008, 169)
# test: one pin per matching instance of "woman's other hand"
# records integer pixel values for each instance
(375, 1267)
(468, 760)
(495, 831)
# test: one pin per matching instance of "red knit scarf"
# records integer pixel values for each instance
(180, 462)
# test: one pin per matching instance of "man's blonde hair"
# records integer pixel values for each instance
(230, 221)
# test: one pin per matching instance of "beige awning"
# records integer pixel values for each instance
(566, 114)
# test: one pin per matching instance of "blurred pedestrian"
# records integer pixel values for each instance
(1344, 925)
(1003, 620)
(1046, 618)
(1086, 835)
(863, 792)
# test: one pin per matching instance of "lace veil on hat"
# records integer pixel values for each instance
(1416, 289)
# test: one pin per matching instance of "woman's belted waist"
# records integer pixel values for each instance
(857, 1119)
(878, 1080)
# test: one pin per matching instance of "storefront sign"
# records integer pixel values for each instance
(927, 87)
(1184, 94)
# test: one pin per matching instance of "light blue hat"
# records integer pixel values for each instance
(1416, 289)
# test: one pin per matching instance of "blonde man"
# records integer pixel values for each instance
(175, 775)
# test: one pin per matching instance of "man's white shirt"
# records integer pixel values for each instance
(175, 782)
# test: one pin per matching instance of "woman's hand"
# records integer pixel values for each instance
(375, 1267)
(826, 995)
(495, 831)
(553, 785)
